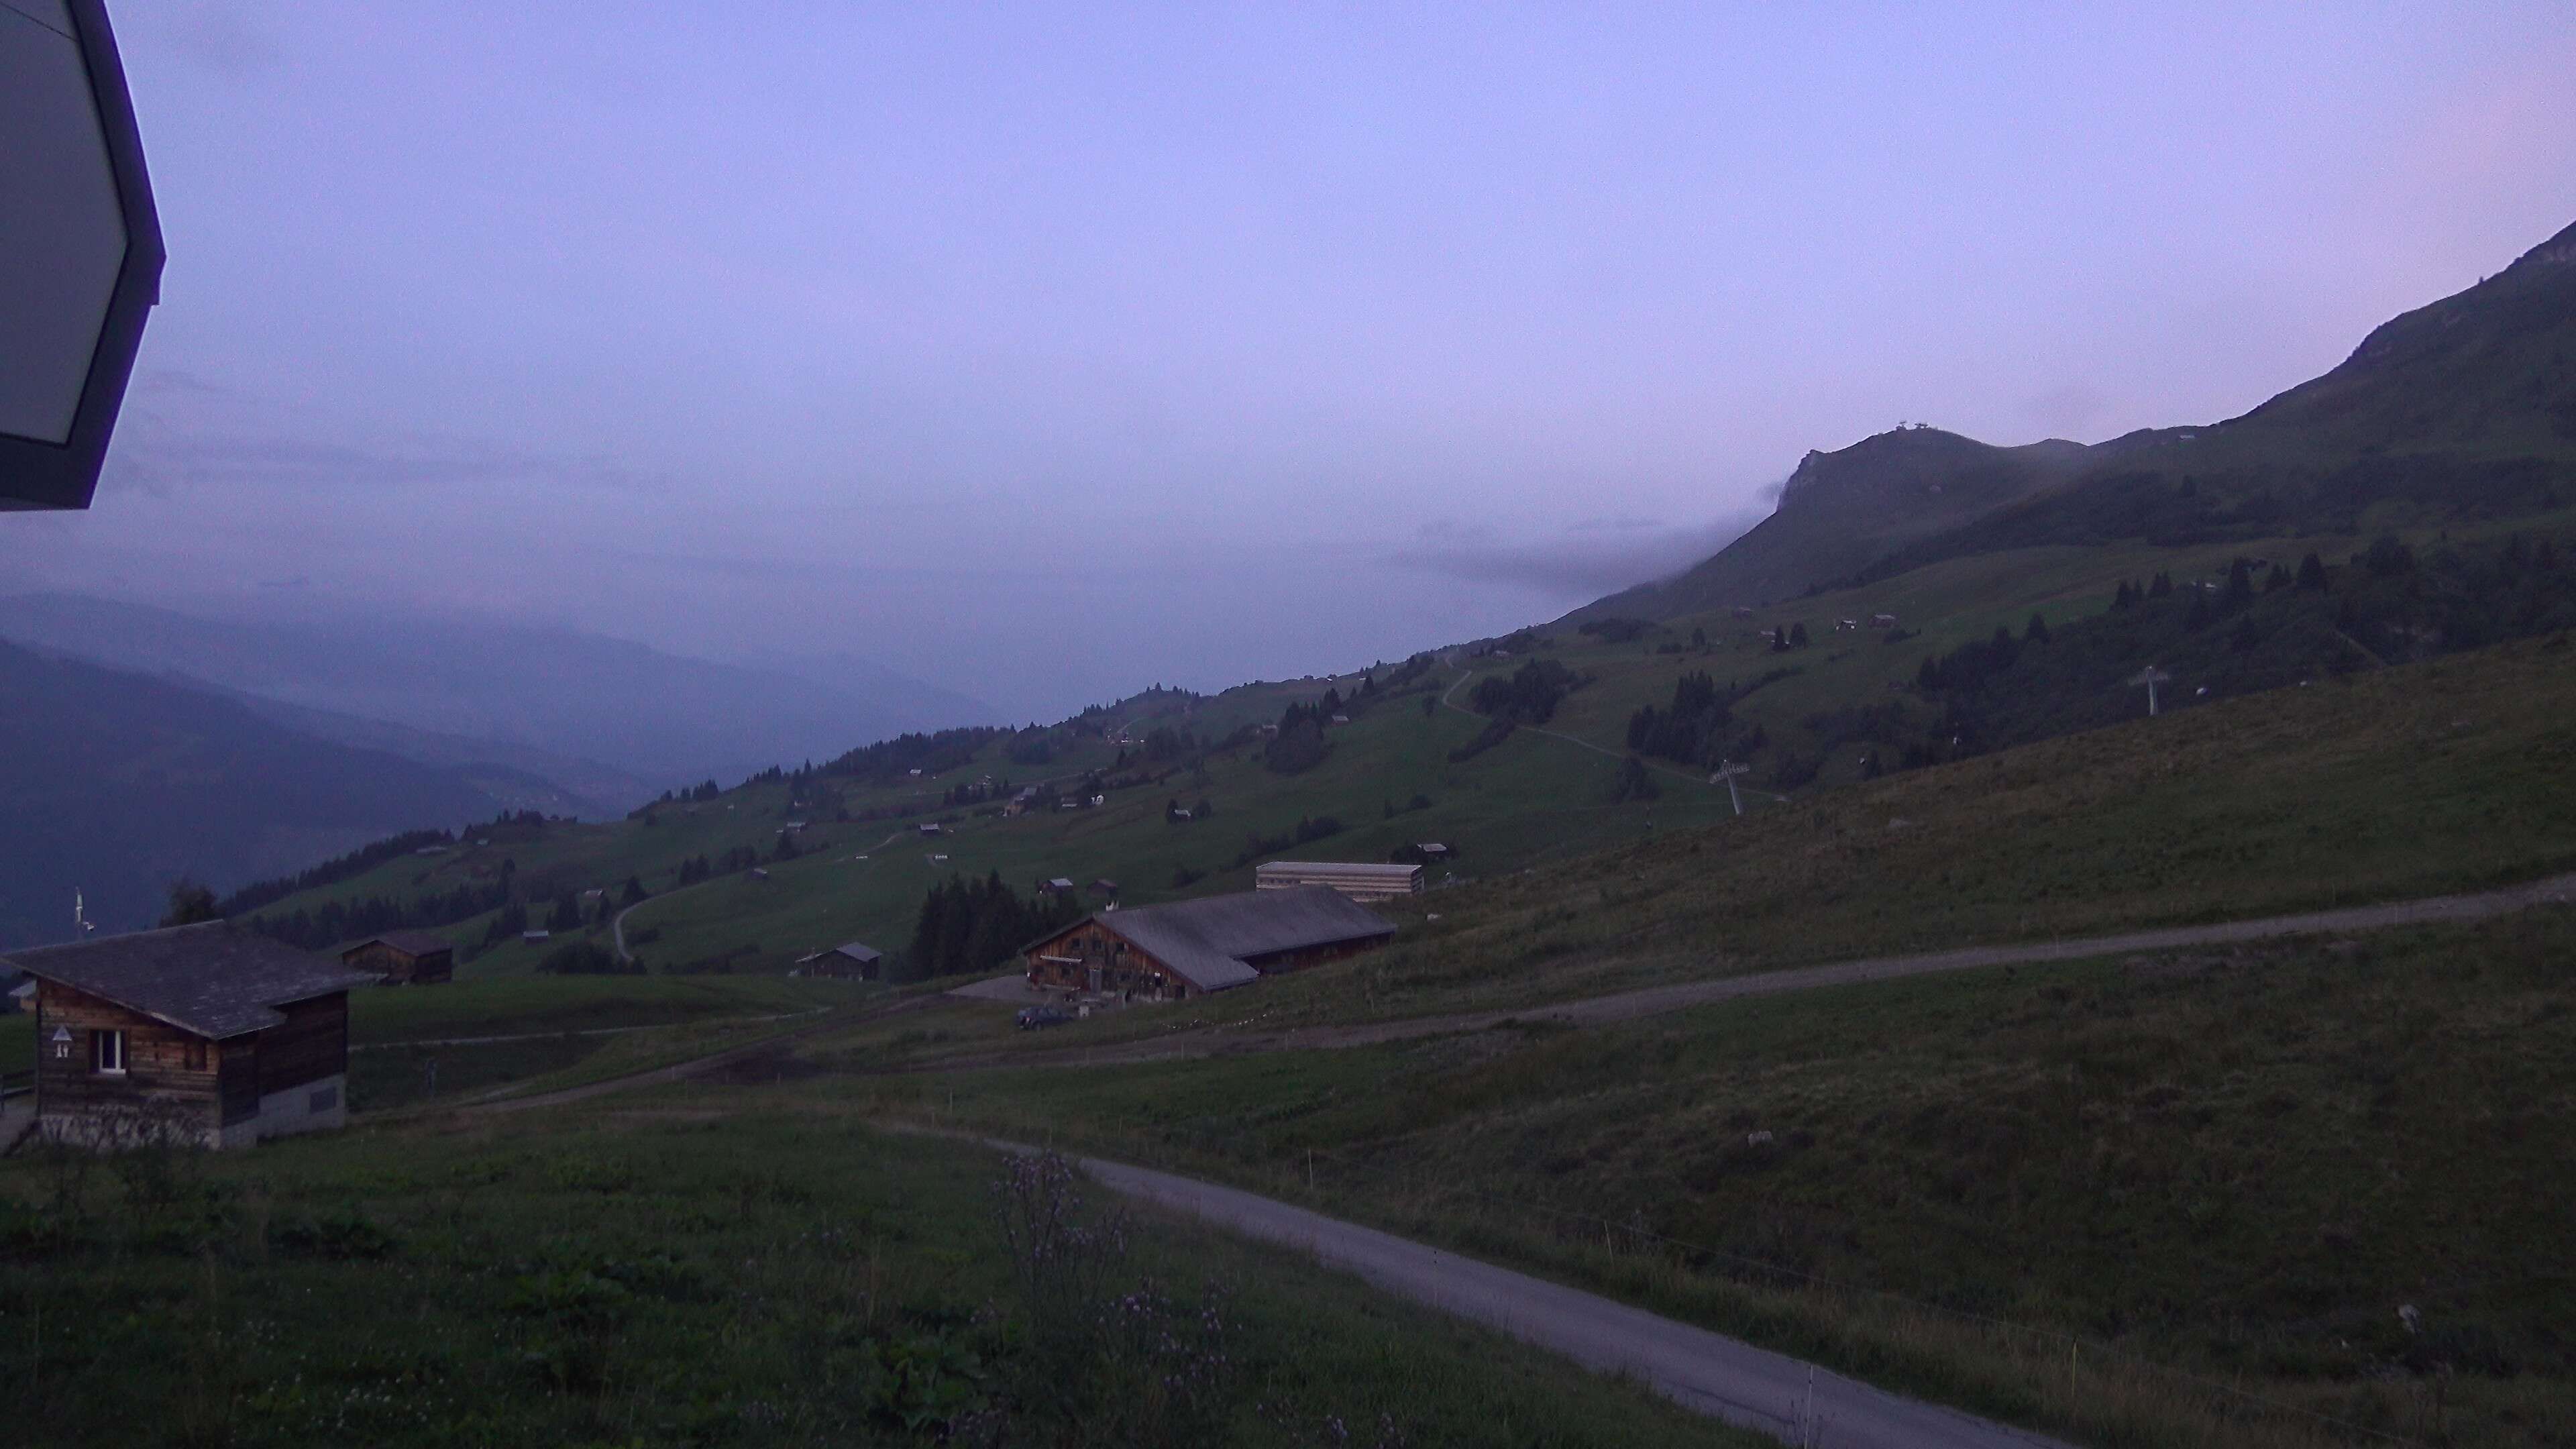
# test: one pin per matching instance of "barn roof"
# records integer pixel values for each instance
(1210, 940)
(214, 979)
(859, 951)
(410, 943)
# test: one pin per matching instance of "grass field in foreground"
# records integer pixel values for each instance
(490, 1006)
(2238, 1163)
(17, 1042)
(661, 1278)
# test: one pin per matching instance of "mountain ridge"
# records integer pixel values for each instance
(2464, 407)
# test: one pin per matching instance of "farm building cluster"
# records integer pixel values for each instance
(1191, 948)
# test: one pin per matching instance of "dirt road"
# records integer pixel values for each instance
(1703, 1371)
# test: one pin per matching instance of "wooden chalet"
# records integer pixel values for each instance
(1216, 943)
(200, 1034)
(404, 958)
(853, 960)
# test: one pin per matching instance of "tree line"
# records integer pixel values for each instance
(968, 926)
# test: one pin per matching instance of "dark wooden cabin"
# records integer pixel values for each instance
(200, 1034)
(855, 960)
(1216, 943)
(404, 958)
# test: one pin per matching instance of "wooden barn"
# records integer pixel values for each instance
(854, 960)
(201, 1034)
(1190, 948)
(404, 958)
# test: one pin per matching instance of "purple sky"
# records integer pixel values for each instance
(1050, 353)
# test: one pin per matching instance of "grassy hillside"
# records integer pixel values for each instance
(2238, 1164)
(1536, 800)
(757, 1274)
(2443, 776)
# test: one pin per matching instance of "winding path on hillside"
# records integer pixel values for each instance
(1710, 1373)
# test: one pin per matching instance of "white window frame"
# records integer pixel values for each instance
(107, 1053)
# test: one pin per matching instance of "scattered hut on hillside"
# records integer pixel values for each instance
(404, 958)
(850, 960)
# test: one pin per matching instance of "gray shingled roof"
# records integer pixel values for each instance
(213, 979)
(410, 943)
(859, 951)
(1210, 939)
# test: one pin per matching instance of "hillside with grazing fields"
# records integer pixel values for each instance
(2095, 1191)
(762, 1273)
(2336, 533)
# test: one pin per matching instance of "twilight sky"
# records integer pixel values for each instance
(1052, 352)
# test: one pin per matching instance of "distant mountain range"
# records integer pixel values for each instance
(2457, 411)
(114, 785)
(612, 722)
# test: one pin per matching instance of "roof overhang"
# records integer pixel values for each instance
(71, 320)
(166, 1019)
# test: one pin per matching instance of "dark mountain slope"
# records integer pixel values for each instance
(2492, 369)
(115, 784)
(2459, 411)
(662, 717)
(1842, 511)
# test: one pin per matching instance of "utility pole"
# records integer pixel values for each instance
(2150, 676)
(1727, 770)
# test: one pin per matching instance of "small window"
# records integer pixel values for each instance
(107, 1052)
(194, 1056)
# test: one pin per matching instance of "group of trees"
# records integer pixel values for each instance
(2231, 635)
(977, 925)
(1632, 781)
(698, 867)
(887, 761)
(331, 922)
(1698, 728)
(1528, 695)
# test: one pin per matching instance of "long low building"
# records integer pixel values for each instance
(1359, 880)
(1190, 948)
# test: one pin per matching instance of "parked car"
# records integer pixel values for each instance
(1033, 1018)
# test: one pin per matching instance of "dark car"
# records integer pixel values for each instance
(1034, 1017)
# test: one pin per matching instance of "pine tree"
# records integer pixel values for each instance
(2037, 633)
(191, 902)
